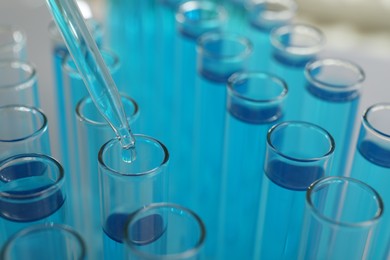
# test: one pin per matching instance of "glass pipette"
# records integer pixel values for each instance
(91, 66)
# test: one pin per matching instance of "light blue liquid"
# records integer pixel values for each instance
(375, 171)
(282, 208)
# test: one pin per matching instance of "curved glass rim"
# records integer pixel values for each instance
(44, 227)
(333, 179)
(300, 51)
(114, 66)
(177, 256)
(192, 5)
(20, 42)
(221, 36)
(111, 142)
(338, 62)
(82, 103)
(27, 67)
(366, 119)
(328, 136)
(36, 157)
(34, 111)
(259, 74)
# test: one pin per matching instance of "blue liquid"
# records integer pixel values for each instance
(28, 183)
(293, 177)
(143, 232)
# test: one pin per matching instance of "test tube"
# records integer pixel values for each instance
(24, 130)
(31, 192)
(297, 154)
(164, 231)
(125, 187)
(331, 100)
(18, 83)
(209, 16)
(341, 219)
(45, 241)
(93, 132)
(254, 102)
(371, 164)
(219, 55)
(263, 16)
(293, 46)
(13, 41)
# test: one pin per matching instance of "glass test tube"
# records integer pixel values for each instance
(293, 46)
(219, 55)
(297, 154)
(331, 100)
(12, 43)
(371, 164)
(23, 130)
(341, 216)
(164, 231)
(59, 52)
(126, 187)
(31, 192)
(93, 132)
(254, 102)
(18, 83)
(193, 18)
(263, 16)
(45, 241)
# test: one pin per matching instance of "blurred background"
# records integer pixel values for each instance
(358, 30)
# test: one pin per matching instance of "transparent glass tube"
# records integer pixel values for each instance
(45, 241)
(23, 130)
(59, 52)
(371, 164)
(331, 100)
(219, 55)
(193, 18)
(32, 191)
(18, 83)
(293, 46)
(263, 16)
(297, 154)
(164, 231)
(12, 43)
(126, 187)
(254, 102)
(92, 132)
(341, 217)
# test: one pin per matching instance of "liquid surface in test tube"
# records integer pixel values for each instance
(24, 180)
(293, 177)
(144, 231)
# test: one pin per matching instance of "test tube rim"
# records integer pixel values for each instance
(37, 132)
(322, 181)
(55, 186)
(318, 128)
(298, 51)
(20, 43)
(335, 87)
(366, 121)
(235, 76)
(80, 116)
(248, 46)
(27, 67)
(45, 226)
(176, 256)
(153, 171)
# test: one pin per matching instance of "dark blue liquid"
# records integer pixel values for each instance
(144, 231)
(23, 187)
(375, 154)
(293, 177)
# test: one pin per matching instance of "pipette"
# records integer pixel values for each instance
(91, 66)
